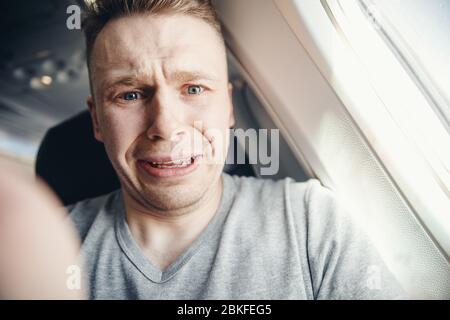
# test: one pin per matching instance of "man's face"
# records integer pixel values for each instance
(162, 106)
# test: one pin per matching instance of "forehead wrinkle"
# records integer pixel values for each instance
(109, 72)
(168, 67)
(117, 51)
(161, 32)
(127, 78)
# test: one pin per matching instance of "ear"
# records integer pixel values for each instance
(93, 111)
(232, 120)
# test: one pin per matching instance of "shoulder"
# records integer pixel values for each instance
(343, 261)
(84, 213)
(319, 208)
(253, 184)
(280, 200)
(287, 188)
(258, 193)
(315, 197)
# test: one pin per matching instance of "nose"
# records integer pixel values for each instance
(165, 118)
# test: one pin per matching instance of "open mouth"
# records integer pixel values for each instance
(172, 168)
(183, 163)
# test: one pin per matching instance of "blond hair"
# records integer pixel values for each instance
(100, 12)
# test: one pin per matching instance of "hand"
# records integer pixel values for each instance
(38, 245)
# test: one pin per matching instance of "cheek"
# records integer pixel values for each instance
(216, 114)
(120, 131)
(214, 122)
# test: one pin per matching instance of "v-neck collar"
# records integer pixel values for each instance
(135, 254)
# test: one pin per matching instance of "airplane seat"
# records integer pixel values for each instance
(76, 166)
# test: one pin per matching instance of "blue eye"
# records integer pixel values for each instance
(194, 90)
(130, 96)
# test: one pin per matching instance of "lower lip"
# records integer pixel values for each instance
(168, 172)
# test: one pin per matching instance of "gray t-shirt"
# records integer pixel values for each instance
(268, 240)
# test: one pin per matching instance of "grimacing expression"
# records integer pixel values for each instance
(161, 94)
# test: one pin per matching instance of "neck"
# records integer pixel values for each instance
(163, 237)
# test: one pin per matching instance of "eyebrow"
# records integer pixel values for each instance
(178, 76)
(123, 80)
(186, 76)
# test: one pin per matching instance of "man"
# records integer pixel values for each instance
(179, 228)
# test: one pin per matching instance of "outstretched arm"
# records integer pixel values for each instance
(38, 246)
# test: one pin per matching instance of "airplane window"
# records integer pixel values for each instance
(380, 59)
(405, 54)
(419, 36)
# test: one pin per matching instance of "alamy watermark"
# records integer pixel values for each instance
(73, 280)
(73, 21)
(373, 281)
(259, 147)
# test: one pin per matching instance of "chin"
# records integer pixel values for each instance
(175, 197)
(174, 193)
